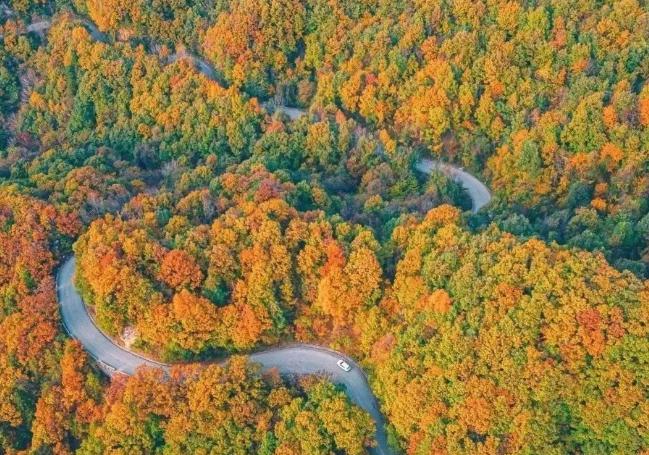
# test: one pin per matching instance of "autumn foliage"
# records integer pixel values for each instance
(498, 345)
(231, 408)
(42, 390)
(252, 275)
(207, 226)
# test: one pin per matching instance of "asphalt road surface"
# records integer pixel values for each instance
(479, 193)
(38, 27)
(292, 112)
(80, 326)
(35, 27)
(299, 360)
(200, 64)
(42, 26)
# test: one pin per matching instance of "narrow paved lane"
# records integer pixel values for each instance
(80, 326)
(293, 113)
(478, 191)
(35, 27)
(201, 65)
(38, 27)
(299, 359)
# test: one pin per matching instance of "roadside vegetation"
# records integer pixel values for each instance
(203, 226)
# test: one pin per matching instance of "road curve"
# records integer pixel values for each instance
(37, 27)
(201, 65)
(80, 326)
(293, 113)
(34, 27)
(478, 191)
(298, 359)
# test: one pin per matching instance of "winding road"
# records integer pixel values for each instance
(478, 191)
(299, 359)
(200, 64)
(292, 113)
(34, 27)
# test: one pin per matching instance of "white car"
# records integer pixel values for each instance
(343, 365)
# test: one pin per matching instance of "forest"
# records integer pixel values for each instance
(140, 137)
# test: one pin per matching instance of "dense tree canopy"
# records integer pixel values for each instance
(35, 361)
(499, 346)
(207, 226)
(229, 409)
(226, 267)
(548, 100)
